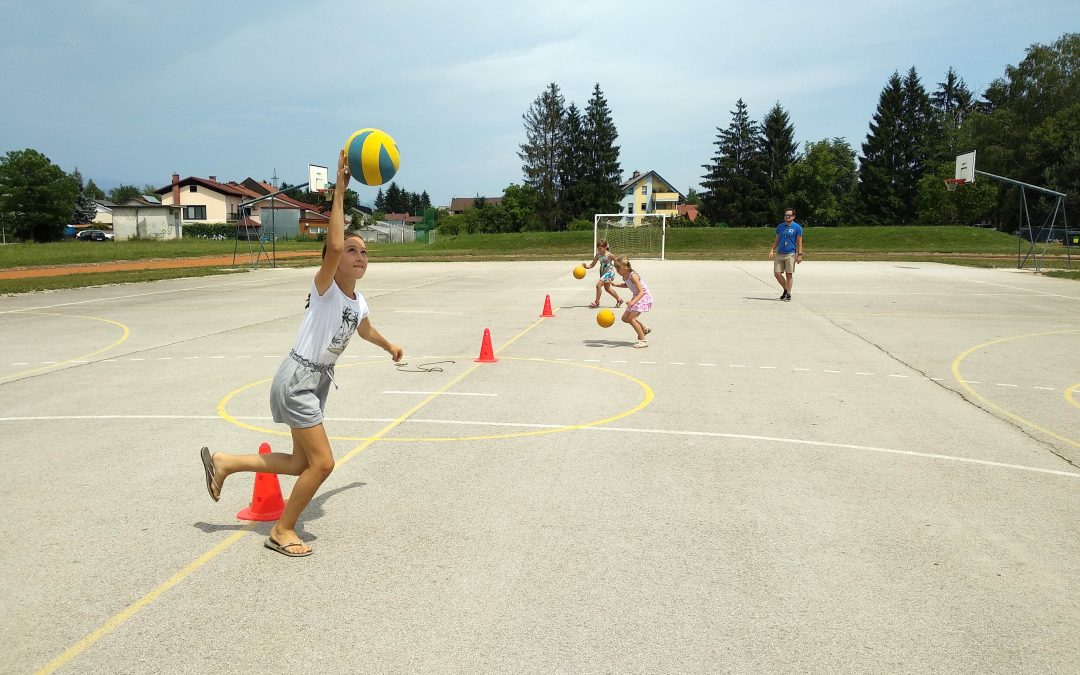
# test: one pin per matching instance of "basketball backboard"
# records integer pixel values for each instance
(317, 176)
(965, 167)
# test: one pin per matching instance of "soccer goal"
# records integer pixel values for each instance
(634, 235)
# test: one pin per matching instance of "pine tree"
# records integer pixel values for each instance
(953, 100)
(380, 201)
(93, 191)
(542, 154)
(920, 135)
(779, 151)
(394, 199)
(734, 182)
(573, 169)
(881, 163)
(85, 210)
(602, 191)
(425, 200)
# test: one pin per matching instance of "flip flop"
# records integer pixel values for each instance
(208, 468)
(594, 305)
(618, 303)
(283, 548)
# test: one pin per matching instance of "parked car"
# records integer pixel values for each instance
(93, 235)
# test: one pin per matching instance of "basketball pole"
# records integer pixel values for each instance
(1025, 216)
(243, 205)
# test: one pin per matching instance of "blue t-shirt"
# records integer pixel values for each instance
(787, 234)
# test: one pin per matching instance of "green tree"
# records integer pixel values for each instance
(380, 200)
(520, 201)
(882, 163)
(574, 165)
(779, 151)
(821, 185)
(37, 195)
(603, 182)
(920, 134)
(84, 211)
(967, 205)
(93, 191)
(542, 154)
(1028, 121)
(734, 182)
(121, 193)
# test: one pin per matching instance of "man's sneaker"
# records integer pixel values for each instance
(641, 344)
(787, 297)
(784, 295)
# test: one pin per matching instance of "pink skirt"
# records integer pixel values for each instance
(642, 305)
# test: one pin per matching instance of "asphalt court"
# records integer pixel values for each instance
(879, 475)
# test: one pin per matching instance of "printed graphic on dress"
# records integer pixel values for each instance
(349, 321)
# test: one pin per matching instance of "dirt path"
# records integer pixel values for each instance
(244, 260)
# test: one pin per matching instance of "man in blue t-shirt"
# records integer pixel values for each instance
(786, 252)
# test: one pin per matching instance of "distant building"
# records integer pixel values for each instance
(145, 217)
(207, 200)
(649, 193)
(459, 205)
(104, 213)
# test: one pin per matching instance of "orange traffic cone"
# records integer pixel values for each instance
(487, 355)
(547, 306)
(266, 502)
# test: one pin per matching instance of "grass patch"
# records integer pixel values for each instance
(88, 252)
(13, 286)
(1064, 274)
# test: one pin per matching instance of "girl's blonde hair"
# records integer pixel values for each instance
(602, 242)
(623, 261)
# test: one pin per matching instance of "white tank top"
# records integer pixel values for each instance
(329, 324)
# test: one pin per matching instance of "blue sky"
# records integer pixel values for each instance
(132, 91)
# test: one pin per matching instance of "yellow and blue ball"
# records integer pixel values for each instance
(373, 156)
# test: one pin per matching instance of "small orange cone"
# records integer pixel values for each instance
(547, 306)
(487, 355)
(266, 502)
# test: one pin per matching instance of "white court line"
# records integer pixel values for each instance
(1026, 290)
(677, 363)
(620, 361)
(864, 373)
(897, 375)
(710, 365)
(804, 370)
(832, 371)
(601, 428)
(767, 367)
(1004, 385)
(735, 365)
(1045, 388)
(125, 297)
(936, 379)
(649, 362)
(440, 393)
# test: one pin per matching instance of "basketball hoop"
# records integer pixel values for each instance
(952, 183)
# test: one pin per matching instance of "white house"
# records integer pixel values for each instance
(145, 217)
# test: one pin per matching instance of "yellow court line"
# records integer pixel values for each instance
(648, 397)
(132, 609)
(970, 390)
(116, 621)
(51, 366)
(1069, 394)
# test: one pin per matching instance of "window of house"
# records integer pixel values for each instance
(193, 188)
(194, 212)
(644, 189)
(630, 208)
(644, 207)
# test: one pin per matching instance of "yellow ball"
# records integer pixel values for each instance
(605, 318)
(579, 272)
(373, 156)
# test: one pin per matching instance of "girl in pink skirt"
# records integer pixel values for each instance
(638, 304)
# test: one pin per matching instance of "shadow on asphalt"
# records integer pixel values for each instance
(314, 511)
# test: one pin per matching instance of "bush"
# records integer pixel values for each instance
(580, 224)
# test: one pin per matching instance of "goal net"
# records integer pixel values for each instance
(634, 235)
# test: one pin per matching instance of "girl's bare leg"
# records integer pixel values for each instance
(631, 318)
(312, 460)
(609, 289)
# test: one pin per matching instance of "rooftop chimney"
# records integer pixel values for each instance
(176, 189)
(213, 179)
